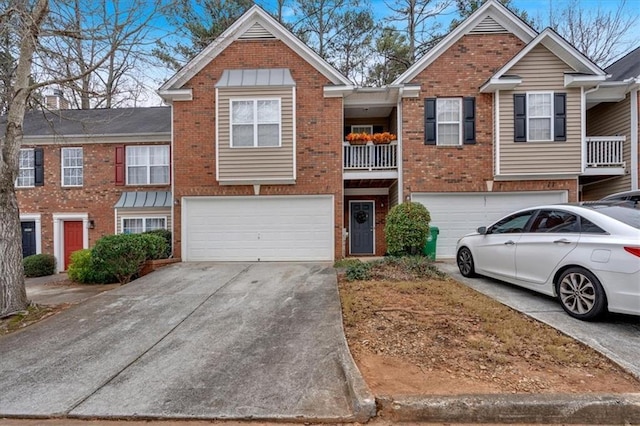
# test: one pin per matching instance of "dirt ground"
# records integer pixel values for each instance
(438, 336)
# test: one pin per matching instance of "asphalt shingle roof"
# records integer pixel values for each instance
(115, 121)
(625, 67)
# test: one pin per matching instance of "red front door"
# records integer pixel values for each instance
(73, 239)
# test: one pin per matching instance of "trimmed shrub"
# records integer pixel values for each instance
(407, 229)
(39, 265)
(123, 255)
(166, 234)
(84, 270)
(359, 271)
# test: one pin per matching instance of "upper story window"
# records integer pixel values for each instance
(147, 165)
(540, 117)
(362, 128)
(450, 121)
(72, 167)
(255, 123)
(26, 172)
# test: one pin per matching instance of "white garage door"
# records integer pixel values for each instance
(457, 214)
(260, 228)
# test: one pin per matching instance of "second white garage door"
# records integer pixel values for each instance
(261, 228)
(457, 214)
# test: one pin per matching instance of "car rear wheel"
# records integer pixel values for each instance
(465, 262)
(581, 294)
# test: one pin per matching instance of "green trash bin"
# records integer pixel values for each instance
(432, 239)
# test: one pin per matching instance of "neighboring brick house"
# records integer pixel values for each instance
(89, 173)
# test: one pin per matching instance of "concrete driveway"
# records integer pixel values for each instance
(194, 340)
(615, 336)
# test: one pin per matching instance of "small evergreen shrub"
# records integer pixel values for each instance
(123, 255)
(407, 229)
(166, 234)
(39, 265)
(359, 271)
(84, 270)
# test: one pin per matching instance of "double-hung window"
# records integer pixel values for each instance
(72, 167)
(255, 123)
(449, 123)
(147, 165)
(539, 116)
(26, 172)
(137, 225)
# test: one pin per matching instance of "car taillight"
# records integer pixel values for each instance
(633, 250)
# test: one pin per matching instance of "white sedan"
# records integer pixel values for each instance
(588, 256)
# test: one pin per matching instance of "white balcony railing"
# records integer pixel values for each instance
(370, 157)
(605, 151)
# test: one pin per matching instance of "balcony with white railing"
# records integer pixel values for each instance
(605, 155)
(370, 161)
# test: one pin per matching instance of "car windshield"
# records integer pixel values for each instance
(626, 215)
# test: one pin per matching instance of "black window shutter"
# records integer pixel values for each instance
(469, 113)
(520, 117)
(430, 121)
(560, 117)
(38, 163)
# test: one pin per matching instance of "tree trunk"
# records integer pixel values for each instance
(13, 296)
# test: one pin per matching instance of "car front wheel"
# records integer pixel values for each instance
(465, 262)
(581, 294)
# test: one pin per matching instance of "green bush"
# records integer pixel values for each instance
(123, 255)
(359, 271)
(83, 269)
(166, 234)
(407, 229)
(39, 265)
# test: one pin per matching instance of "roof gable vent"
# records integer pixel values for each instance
(488, 26)
(256, 31)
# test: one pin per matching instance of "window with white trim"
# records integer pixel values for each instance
(449, 121)
(147, 165)
(137, 225)
(255, 123)
(539, 116)
(72, 166)
(26, 171)
(362, 128)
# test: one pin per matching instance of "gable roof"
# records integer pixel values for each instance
(586, 72)
(97, 125)
(491, 17)
(255, 23)
(626, 67)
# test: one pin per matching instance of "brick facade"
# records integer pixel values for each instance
(460, 72)
(318, 132)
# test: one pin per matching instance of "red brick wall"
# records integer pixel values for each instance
(460, 72)
(96, 197)
(318, 131)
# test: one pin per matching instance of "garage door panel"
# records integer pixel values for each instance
(457, 214)
(258, 228)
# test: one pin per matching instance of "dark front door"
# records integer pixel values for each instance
(361, 228)
(28, 238)
(73, 239)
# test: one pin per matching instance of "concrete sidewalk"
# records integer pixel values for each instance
(57, 289)
(192, 341)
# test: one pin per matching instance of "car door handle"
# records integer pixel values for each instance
(562, 241)
(509, 243)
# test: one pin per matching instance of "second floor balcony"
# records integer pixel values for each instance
(370, 161)
(605, 155)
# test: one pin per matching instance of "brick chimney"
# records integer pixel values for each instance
(56, 100)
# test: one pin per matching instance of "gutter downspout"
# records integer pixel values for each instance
(400, 150)
(634, 137)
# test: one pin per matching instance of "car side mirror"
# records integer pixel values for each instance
(482, 230)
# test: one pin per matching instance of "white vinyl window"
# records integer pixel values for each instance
(255, 123)
(137, 225)
(539, 116)
(449, 121)
(26, 173)
(72, 167)
(147, 165)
